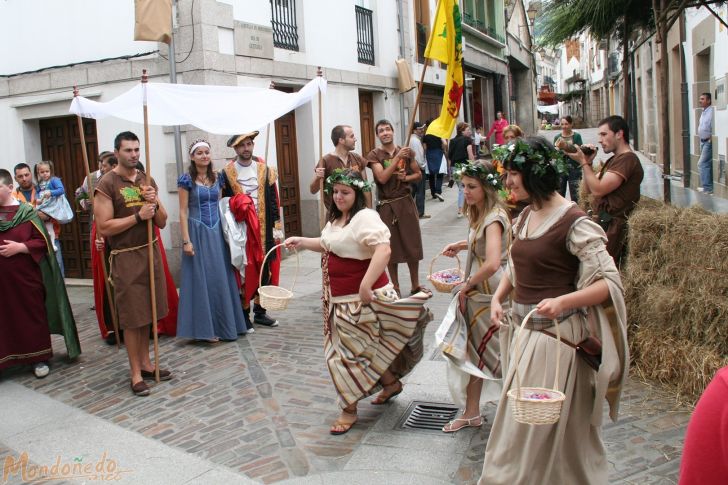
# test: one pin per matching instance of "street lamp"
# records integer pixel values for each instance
(531, 13)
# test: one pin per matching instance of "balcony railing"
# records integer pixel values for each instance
(480, 26)
(285, 28)
(364, 35)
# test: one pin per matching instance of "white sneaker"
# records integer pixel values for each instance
(41, 370)
(440, 197)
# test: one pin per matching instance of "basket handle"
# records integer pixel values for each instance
(437, 256)
(262, 267)
(517, 359)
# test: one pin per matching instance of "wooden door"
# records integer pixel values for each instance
(61, 144)
(366, 121)
(287, 153)
(430, 103)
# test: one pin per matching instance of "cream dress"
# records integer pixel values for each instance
(570, 451)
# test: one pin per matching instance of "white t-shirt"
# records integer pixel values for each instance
(248, 180)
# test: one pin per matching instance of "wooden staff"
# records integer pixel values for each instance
(150, 231)
(87, 167)
(267, 130)
(417, 102)
(322, 207)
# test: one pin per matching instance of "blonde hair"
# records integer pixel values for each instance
(515, 129)
(491, 200)
(47, 163)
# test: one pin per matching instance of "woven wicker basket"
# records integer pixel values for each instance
(445, 286)
(536, 405)
(275, 297)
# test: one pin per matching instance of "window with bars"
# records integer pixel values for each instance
(364, 35)
(285, 28)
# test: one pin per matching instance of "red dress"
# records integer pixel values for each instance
(24, 334)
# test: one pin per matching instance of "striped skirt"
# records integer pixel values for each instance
(366, 340)
(470, 344)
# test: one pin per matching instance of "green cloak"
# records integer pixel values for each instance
(58, 308)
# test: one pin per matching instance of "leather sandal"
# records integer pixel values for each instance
(164, 374)
(342, 427)
(384, 397)
(140, 388)
(474, 422)
(422, 289)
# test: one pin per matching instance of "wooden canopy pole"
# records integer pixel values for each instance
(322, 207)
(89, 178)
(267, 130)
(417, 102)
(150, 231)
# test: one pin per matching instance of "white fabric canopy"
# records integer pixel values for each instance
(552, 109)
(222, 110)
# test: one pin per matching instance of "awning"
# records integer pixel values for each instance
(221, 110)
(552, 109)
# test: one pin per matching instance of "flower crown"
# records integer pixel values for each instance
(339, 176)
(522, 153)
(478, 171)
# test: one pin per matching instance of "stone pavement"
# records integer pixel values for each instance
(259, 409)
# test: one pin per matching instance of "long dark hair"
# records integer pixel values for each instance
(211, 176)
(540, 187)
(359, 202)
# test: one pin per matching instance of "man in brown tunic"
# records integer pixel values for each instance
(394, 169)
(122, 205)
(616, 188)
(343, 156)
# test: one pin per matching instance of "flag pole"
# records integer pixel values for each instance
(150, 231)
(322, 210)
(87, 167)
(417, 102)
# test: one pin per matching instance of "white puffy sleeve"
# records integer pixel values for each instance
(368, 228)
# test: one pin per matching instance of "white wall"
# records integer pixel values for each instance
(327, 33)
(42, 33)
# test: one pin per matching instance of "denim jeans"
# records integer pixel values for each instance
(59, 256)
(705, 165)
(572, 179)
(418, 193)
(461, 194)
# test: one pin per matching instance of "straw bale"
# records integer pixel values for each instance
(676, 289)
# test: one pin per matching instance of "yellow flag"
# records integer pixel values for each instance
(446, 45)
(153, 20)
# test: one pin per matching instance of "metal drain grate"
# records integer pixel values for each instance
(430, 416)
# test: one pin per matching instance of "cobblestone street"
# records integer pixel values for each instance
(261, 407)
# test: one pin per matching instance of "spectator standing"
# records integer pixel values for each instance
(705, 132)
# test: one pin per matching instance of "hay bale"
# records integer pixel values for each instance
(684, 367)
(676, 289)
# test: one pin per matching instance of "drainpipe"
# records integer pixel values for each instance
(173, 80)
(606, 83)
(687, 162)
(633, 103)
(400, 14)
